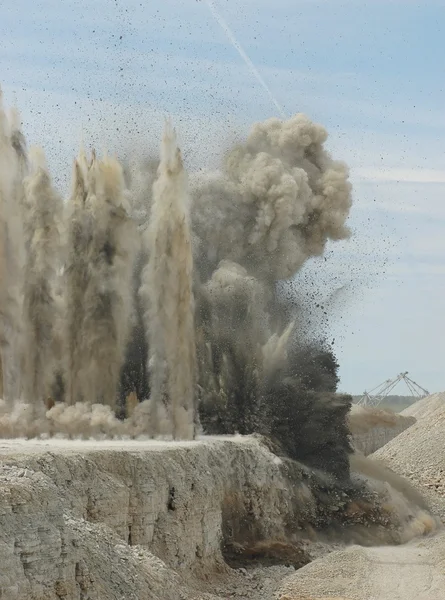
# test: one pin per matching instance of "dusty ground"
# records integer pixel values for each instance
(414, 571)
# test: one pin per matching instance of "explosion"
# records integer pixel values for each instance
(148, 304)
(168, 291)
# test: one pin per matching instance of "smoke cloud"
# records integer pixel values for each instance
(152, 305)
(276, 202)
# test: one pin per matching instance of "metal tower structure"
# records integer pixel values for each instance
(379, 393)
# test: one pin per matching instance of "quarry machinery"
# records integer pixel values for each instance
(375, 396)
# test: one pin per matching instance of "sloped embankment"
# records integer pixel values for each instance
(419, 452)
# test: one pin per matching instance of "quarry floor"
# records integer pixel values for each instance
(74, 517)
(413, 571)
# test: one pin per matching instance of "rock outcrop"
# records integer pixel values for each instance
(99, 520)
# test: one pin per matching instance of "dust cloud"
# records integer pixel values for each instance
(167, 289)
(147, 303)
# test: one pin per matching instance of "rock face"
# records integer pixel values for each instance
(103, 520)
(88, 520)
(372, 428)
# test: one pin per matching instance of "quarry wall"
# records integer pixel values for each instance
(103, 520)
(93, 520)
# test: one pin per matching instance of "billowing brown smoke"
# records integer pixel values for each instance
(193, 275)
(277, 201)
(76, 276)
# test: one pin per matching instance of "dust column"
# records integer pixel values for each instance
(167, 281)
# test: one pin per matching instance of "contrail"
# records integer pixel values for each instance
(242, 53)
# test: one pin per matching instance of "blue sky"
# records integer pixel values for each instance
(371, 71)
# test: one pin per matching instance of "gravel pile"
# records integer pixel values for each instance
(418, 453)
(413, 571)
(331, 576)
(425, 407)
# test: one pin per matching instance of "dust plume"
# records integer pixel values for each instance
(43, 228)
(363, 418)
(167, 287)
(399, 500)
(76, 277)
(99, 275)
(275, 203)
(162, 299)
(81, 420)
(12, 251)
